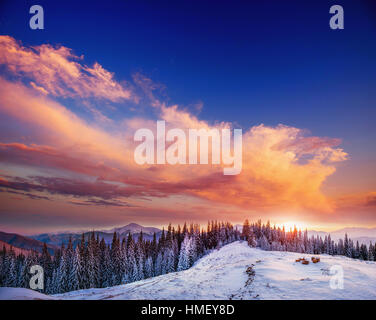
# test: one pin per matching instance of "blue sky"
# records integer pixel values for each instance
(249, 63)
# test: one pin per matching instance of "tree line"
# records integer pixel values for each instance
(278, 239)
(95, 264)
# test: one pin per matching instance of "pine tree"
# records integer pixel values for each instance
(104, 267)
(74, 271)
(363, 252)
(45, 262)
(132, 266)
(371, 252)
(346, 249)
(54, 285)
(69, 265)
(264, 243)
(149, 272)
(11, 269)
(252, 240)
(184, 262)
(61, 280)
(158, 264)
(140, 258)
(93, 262)
(83, 274)
(357, 251)
(24, 275)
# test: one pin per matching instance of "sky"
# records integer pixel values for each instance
(73, 94)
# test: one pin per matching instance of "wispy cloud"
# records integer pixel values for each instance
(101, 202)
(59, 72)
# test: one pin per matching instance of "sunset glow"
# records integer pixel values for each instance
(291, 225)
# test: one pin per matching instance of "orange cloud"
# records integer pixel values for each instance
(355, 201)
(282, 168)
(57, 71)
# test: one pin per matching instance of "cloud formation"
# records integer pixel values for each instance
(58, 71)
(284, 168)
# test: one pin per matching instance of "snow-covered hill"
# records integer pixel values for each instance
(22, 294)
(273, 275)
(222, 275)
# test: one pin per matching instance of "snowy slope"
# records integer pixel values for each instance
(17, 250)
(22, 294)
(222, 275)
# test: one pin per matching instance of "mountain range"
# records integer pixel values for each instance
(25, 243)
(55, 240)
(18, 251)
(134, 229)
(363, 235)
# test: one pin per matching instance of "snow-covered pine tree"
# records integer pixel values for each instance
(370, 252)
(84, 255)
(132, 265)
(54, 285)
(69, 265)
(11, 269)
(124, 262)
(183, 263)
(363, 252)
(74, 271)
(153, 247)
(93, 262)
(23, 272)
(45, 261)
(252, 240)
(346, 247)
(357, 250)
(140, 257)
(149, 270)
(158, 264)
(116, 260)
(61, 280)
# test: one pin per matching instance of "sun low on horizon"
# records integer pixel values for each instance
(291, 225)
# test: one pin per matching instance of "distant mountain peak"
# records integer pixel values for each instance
(132, 224)
(134, 228)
